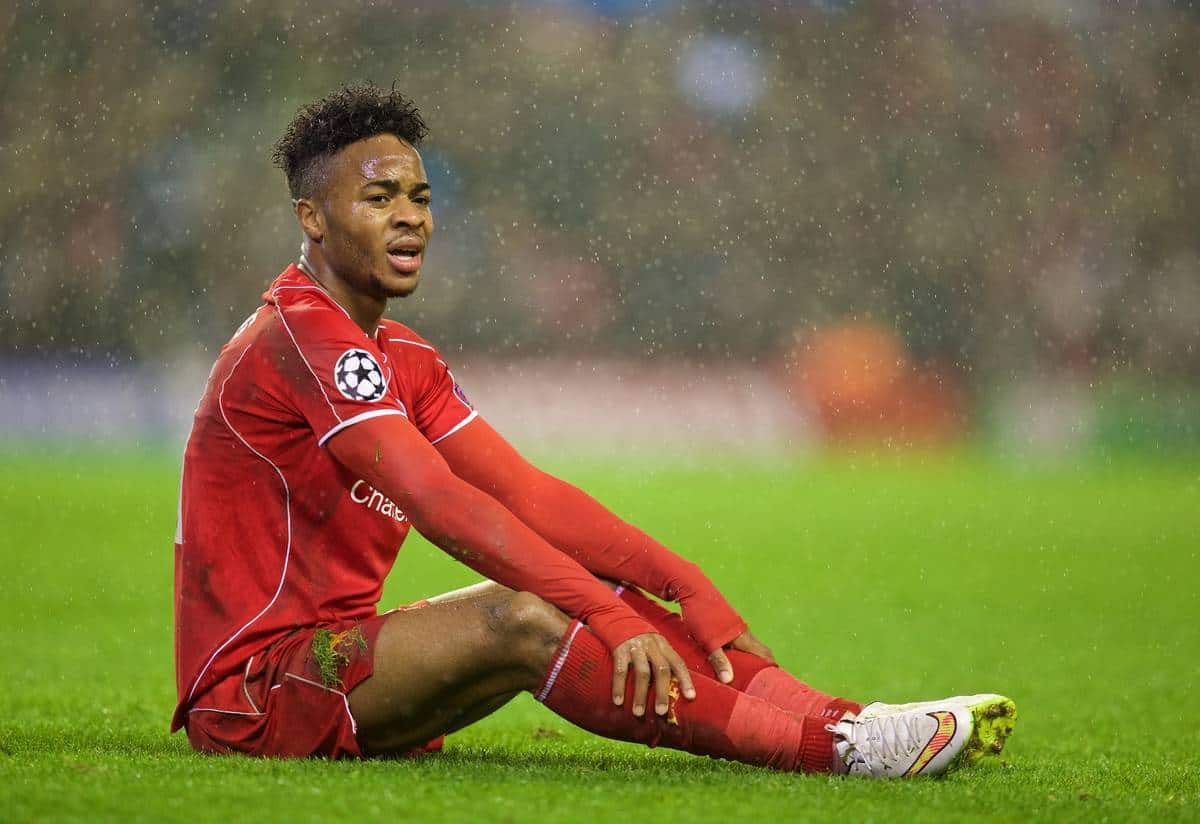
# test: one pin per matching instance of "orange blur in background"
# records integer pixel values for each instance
(864, 386)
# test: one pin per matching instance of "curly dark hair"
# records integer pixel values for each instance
(352, 113)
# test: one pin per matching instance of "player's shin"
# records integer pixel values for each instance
(720, 722)
(751, 674)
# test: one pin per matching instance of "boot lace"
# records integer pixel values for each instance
(878, 740)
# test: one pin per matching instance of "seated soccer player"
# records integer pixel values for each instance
(325, 431)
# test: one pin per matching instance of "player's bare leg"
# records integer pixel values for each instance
(456, 659)
(751, 673)
(390, 708)
(452, 662)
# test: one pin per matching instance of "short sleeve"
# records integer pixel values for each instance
(442, 407)
(333, 373)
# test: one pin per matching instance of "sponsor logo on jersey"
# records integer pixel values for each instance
(370, 497)
(461, 395)
(673, 703)
(357, 376)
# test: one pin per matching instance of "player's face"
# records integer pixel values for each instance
(377, 218)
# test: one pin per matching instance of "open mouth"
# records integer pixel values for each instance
(405, 259)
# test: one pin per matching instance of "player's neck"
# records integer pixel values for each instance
(365, 311)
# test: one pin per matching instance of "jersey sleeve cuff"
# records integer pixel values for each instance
(615, 627)
(456, 427)
(359, 418)
(712, 621)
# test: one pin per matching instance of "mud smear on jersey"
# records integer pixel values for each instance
(326, 652)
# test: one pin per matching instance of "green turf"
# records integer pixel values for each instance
(1072, 589)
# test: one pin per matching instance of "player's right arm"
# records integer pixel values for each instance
(391, 455)
(571, 520)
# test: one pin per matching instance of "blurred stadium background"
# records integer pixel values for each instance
(708, 244)
(760, 225)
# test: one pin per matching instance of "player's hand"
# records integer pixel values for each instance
(746, 642)
(652, 659)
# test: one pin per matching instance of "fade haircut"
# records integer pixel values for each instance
(348, 115)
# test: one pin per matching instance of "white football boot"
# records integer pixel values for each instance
(926, 738)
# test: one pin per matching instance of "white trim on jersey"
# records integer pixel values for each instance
(455, 383)
(412, 343)
(456, 427)
(345, 699)
(279, 311)
(246, 687)
(299, 351)
(558, 664)
(254, 714)
(320, 292)
(359, 418)
(465, 420)
(179, 506)
(223, 712)
(287, 551)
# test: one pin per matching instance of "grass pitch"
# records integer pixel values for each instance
(1071, 589)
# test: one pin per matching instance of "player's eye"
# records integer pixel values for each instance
(377, 199)
(424, 200)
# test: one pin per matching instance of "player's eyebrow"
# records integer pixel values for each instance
(392, 185)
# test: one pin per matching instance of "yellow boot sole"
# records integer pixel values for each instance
(993, 718)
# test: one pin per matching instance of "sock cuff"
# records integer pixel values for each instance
(559, 659)
(835, 709)
(816, 747)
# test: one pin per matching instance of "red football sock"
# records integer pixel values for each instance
(751, 674)
(720, 722)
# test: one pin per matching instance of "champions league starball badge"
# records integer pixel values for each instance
(358, 376)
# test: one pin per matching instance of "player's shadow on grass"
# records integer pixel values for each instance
(53, 739)
(84, 747)
(622, 766)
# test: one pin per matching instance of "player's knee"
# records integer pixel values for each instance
(530, 616)
(529, 626)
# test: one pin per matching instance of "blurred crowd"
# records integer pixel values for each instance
(1008, 188)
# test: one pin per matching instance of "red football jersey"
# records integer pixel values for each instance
(273, 534)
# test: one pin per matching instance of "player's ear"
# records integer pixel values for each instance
(311, 219)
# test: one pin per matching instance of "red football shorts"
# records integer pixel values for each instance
(296, 696)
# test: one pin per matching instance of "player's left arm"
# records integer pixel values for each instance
(570, 519)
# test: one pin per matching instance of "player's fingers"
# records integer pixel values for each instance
(662, 682)
(620, 670)
(748, 643)
(641, 680)
(764, 651)
(682, 674)
(721, 666)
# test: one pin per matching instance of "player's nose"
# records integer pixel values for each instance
(407, 214)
